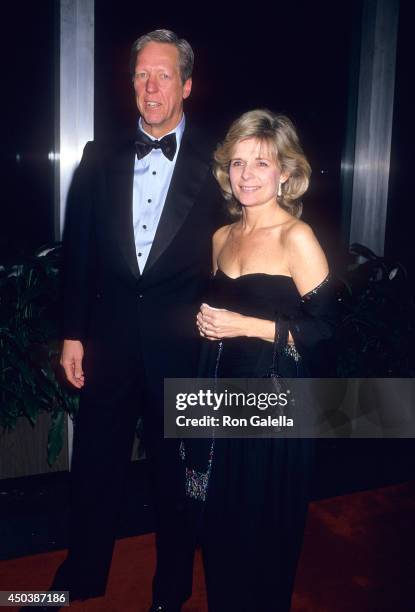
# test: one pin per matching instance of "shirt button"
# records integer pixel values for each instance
(139, 254)
(154, 172)
(149, 200)
(144, 226)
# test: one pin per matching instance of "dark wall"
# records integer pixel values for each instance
(399, 242)
(27, 134)
(289, 57)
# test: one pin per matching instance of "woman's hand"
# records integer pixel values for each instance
(217, 323)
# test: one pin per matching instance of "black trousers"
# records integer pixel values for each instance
(103, 437)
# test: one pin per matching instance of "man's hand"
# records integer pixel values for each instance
(71, 361)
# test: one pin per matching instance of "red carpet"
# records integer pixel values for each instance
(357, 557)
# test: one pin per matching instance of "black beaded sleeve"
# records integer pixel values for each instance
(314, 328)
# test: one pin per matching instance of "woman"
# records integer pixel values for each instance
(269, 270)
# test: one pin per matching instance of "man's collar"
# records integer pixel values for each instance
(178, 130)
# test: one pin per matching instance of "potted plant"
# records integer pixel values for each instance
(30, 383)
(377, 330)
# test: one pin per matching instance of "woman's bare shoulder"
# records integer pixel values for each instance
(306, 259)
(221, 234)
(299, 234)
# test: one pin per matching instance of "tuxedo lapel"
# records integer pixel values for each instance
(121, 178)
(188, 176)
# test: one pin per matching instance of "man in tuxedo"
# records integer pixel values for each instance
(137, 262)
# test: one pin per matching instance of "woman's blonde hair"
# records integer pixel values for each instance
(280, 135)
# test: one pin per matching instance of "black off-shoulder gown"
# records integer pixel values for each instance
(258, 489)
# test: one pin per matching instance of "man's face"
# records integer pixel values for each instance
(158, 87)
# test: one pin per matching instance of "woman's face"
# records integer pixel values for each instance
(254, 173)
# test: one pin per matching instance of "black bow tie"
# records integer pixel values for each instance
(144, 144)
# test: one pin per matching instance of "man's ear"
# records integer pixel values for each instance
(187, 88)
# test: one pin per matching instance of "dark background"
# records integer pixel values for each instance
(28, 119)
(399, 242)
(295, 58)
(290, 58)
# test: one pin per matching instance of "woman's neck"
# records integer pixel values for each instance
(266, 215)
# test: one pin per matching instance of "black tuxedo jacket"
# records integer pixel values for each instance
(113, 309)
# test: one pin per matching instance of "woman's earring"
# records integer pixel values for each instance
(279, 193)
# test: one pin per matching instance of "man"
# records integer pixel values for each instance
(137, 262)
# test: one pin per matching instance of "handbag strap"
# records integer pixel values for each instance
(280, 340)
